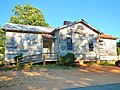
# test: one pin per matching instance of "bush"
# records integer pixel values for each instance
(20, 56)
(117, 63)
(107, 63)
(68, 59)
(2, 50)
(26, 66)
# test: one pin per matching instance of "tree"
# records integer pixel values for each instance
(118, 47)
(27, 15)
(118, 43)
(2, 41)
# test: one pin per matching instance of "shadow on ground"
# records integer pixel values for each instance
(115, 86)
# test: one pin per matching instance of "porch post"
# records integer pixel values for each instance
(53, 47)
(53, 50)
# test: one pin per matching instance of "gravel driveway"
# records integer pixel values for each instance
(56, 79)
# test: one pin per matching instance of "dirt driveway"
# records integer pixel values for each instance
(59, 79)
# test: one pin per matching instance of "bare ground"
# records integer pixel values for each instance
(55, 79)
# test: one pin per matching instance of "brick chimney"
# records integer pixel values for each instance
(67, 22)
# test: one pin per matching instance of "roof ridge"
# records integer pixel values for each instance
(82, 21)
(28, 25)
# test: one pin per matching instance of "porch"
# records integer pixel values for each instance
(47, 54)
(39, 58)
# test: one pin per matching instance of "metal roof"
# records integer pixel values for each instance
(26, 28)
(106, 36)
(76, 22)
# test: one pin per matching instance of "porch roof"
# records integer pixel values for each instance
(26, 28)
(107, 36)
(48, 36)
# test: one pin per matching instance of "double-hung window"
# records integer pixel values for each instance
(91, 42)
(69, 43)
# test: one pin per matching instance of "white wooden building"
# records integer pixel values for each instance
(79, 38)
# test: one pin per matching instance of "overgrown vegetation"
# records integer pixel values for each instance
(68, 59)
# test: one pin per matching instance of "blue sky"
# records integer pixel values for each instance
(102, 14)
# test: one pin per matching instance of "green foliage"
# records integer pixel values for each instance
(26, 67)
(118, 48)
(118, 44)
(68, 59)
(28, 15)
(2, 41)
(3, 68)
(20, 56)
(37, 67)
(90, 63)
(107, 63)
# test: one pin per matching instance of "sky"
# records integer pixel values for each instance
(102, 14)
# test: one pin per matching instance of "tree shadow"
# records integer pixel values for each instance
(115, 86)
(45, 79)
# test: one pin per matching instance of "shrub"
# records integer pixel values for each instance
(107, 63)
(20, 56)
(68, 59)
(26, 66)
(117, 63)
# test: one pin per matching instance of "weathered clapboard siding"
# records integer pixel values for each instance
(108, 49)
(22, 43)
(23, 39)
(80, 41)
(81, 32)
(29, 40)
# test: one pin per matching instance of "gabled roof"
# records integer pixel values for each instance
(26, 28)
(76, 22)
(106, 36)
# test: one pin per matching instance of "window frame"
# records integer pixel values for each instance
(69, 43)
(91, 42)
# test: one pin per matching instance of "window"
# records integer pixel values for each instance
(69, 43)
(91, 42)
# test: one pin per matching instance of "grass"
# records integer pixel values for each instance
(91, 63)
(107, 63)
(103, 63)
(37, 67)
(2, 68)
(51, 66)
